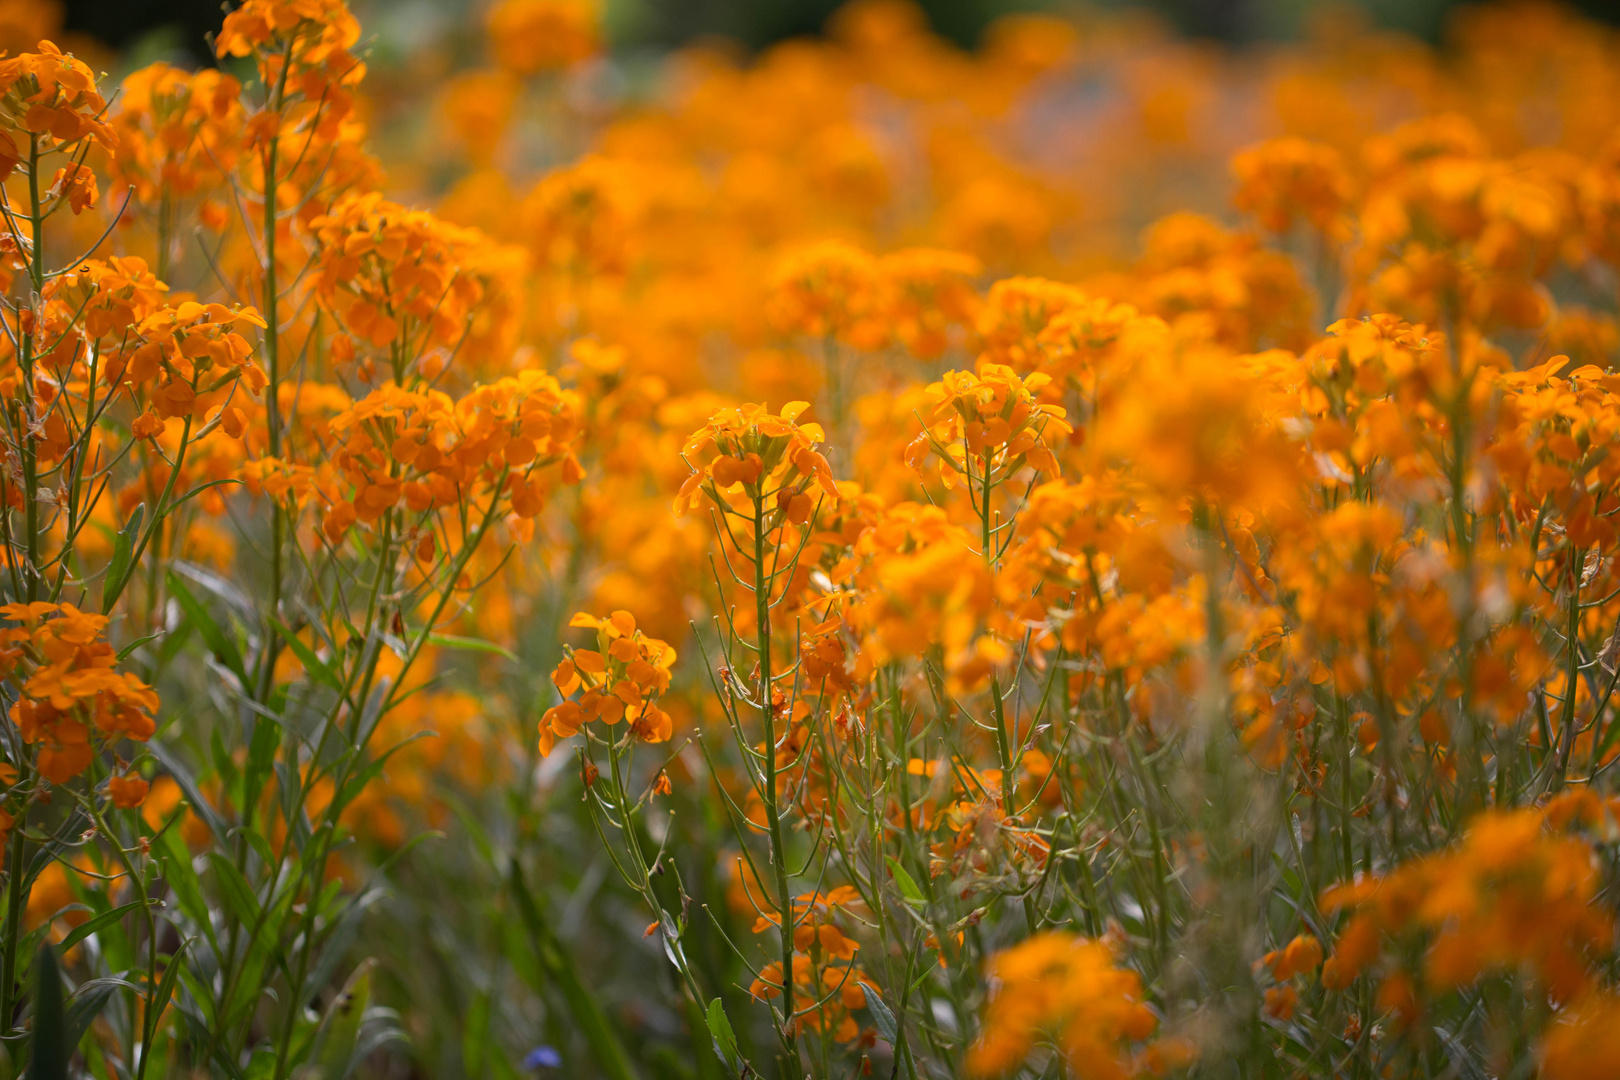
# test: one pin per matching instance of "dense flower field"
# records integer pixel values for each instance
(1096, 555)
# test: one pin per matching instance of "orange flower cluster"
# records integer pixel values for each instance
(420, 449)
(314, 35)
(921, 298)
(823, 966)
(921, 582)
(110, 323)
(750, 451)
(49, 101)
(410, 284)
(71, 697)
(177, 134)
(1288, 180)
(621, 679)
(1074, 988)
(530, 36)
(1511, 893)
(991, 420)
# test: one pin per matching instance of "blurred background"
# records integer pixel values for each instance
(155, 26)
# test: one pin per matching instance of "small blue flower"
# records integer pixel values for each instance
(543, 1057)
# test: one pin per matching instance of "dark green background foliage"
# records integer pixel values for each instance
(124, 23)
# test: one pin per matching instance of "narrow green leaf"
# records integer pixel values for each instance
(181, 878)
(346, 927)
(1296, 888)
(671, 936)
(451, 641)
(237, 891)
(197, 1004)
(363, 777)
(87, 1003)
(261, 846)
(50, 1051)
(725, 1040)
(908, 887)
(335, 1043)
(123, 654)
(318, 669)
(200, 488)
(118, 566)
(475, 1035)
(1608, 741)
(219, 643)
(261, 754)
(881, 1016)
(84, 930)
(171, 972)
(178, 769)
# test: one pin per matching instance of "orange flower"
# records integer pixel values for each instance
(1280, 180)
(177, 131)
(78, 184)
(49, 97)
(531, 36)
(829, 289)
(415, 286)
(987, 426)
(1301, 956)
(127, 791)
(1071, 987)
(761, 452)
(621, 679)
(69, 692)
(1511, 893)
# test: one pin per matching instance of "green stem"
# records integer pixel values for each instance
(773, 810)
(272, 359)
(997, 706)
(14, 913)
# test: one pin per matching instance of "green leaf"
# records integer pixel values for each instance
(181, 877)
(84, 930)
(318, 669)
(123, 549)
(224, 761)
(362, 777)
(199, 489)
(475, 1035)
(188, 784)
(346, 927)
(261, 754)
(171, 972)
(197, 1004)
(1608, 741)
(451, 641)
(261, 846)
(123, 654)
(1296, 888)
(172, 642)
(340, 1030)
(881, 1016)
(725, 1040)
(671, 936)
(87, 1003)
(51, 1049)
(219, 643)
(908, 887)
(237, 891)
